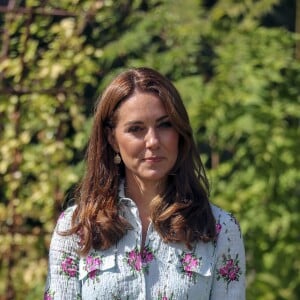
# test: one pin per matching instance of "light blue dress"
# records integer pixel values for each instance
(164, 271)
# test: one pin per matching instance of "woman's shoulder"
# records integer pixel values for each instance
(225, 221)
(65, 219)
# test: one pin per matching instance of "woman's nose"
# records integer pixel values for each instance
(152, 139)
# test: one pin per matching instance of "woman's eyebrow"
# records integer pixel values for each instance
(138, 122)
(162, 118)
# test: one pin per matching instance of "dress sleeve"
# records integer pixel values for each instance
(62, 279)
(229, 273)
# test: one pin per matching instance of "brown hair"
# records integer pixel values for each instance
(181, 214)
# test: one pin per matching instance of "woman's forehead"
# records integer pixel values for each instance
(141, 107)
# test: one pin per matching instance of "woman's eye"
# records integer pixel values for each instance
(135, 128)
(165, 124)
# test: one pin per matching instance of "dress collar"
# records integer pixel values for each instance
(122, 197)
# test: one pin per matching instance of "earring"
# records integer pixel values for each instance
(117, 159)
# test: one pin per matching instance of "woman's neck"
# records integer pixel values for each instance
(140, 191)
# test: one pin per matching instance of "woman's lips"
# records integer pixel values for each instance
(153, 158)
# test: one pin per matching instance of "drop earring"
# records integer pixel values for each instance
(117, 159)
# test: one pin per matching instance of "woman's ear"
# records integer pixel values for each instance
(112, 139)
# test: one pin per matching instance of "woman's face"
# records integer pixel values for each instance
(145, 138)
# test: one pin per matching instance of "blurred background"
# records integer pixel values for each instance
(237, 66)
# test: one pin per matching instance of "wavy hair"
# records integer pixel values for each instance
(181, 214)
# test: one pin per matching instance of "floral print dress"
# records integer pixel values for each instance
(210, 271)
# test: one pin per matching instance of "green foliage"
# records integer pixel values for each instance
(257, 129)
(249, 113)
(239, 80)
(43, 129)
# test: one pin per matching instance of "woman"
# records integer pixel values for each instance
(143, 227)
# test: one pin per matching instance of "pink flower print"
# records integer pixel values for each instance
(140, 260)
(64, 213)
(134, 259)
(147, 255)
(189, 264)
(138, 263)
(218, 228)
(69, 266)
(223, 271)
(48, 295)
(232, 275)
(132, 256)
(61, 216)
(230, 270)
(187, 258)
(92, 265)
